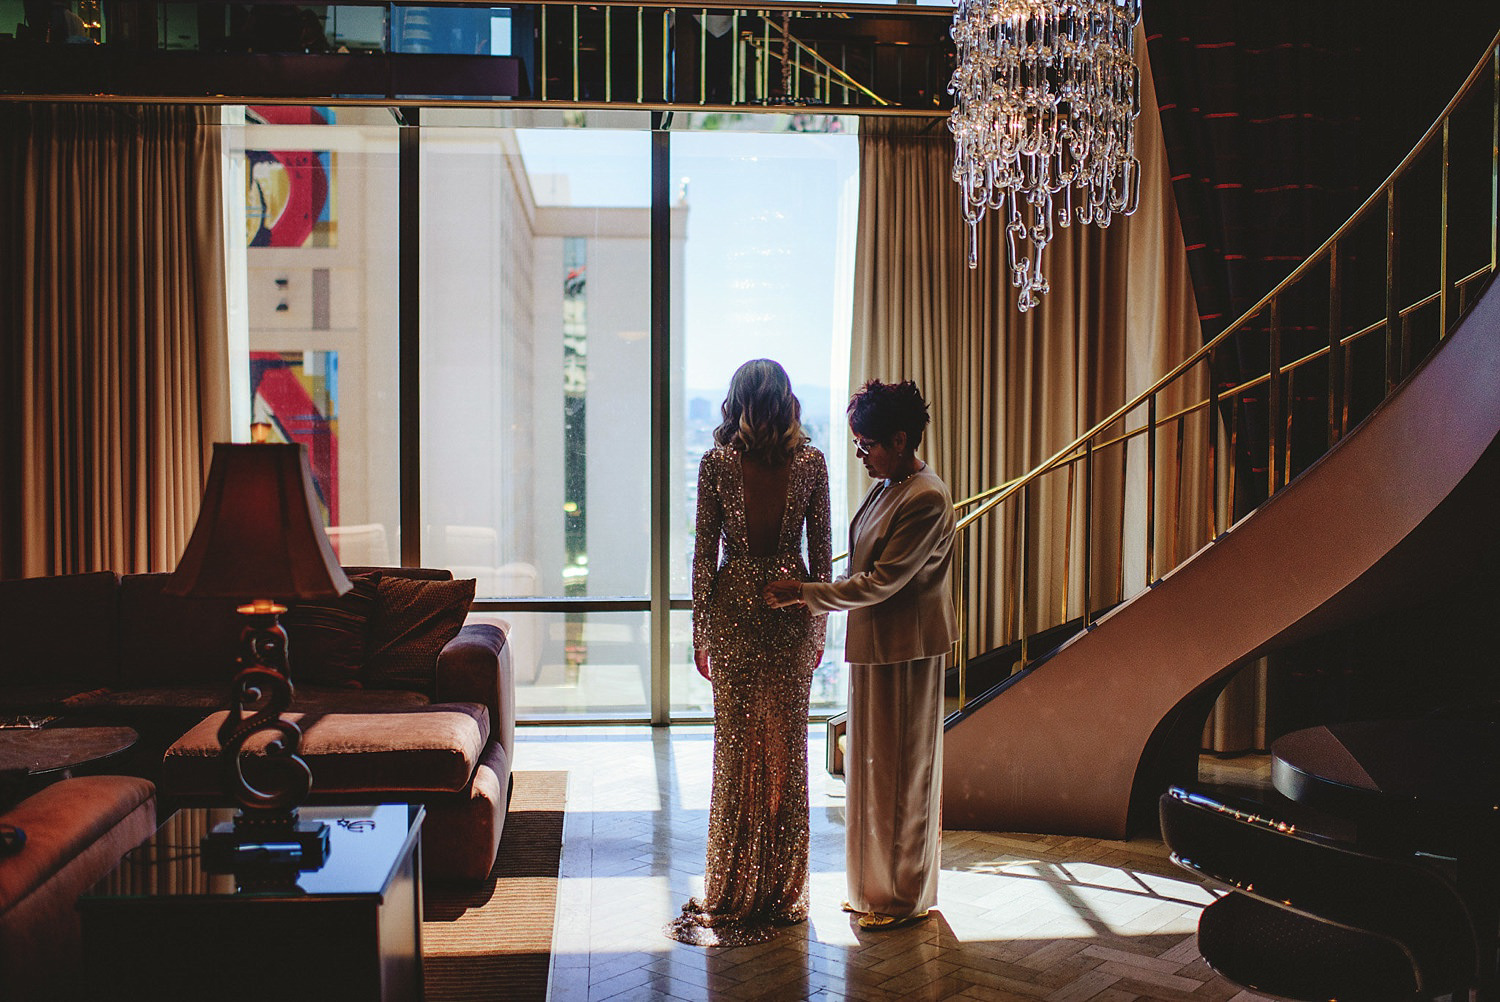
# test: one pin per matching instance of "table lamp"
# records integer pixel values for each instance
(259, 539)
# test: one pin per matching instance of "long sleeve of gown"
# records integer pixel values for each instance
(709, 527)
(819, 529)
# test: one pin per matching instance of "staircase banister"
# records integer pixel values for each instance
(958, 506)
(988, 492)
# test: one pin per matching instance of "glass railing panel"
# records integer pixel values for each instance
(881, 58)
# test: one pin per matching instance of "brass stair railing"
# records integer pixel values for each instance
(1317, 315)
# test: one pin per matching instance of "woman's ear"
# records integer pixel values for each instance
(898, 443)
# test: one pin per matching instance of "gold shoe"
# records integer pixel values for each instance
(846, 906)
(875, 920)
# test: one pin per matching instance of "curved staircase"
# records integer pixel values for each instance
(1400, 504)
(1058, 748)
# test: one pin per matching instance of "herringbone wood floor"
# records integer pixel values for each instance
(1019, 917)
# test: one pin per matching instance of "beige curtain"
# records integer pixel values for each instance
(115, 333)
(1008, 390)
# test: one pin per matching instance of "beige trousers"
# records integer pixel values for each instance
(893, 771)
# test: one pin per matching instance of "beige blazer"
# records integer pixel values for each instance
(897, 590)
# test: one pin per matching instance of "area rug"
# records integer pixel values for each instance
(494, 941)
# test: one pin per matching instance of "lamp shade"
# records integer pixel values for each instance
(259, 534)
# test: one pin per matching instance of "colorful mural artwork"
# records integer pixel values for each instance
(290, 195)
(297, 393)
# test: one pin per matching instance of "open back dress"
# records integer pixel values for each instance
(762, 662)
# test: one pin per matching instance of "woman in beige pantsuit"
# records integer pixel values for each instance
(901, 626)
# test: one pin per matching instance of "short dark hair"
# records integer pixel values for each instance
(879, 410)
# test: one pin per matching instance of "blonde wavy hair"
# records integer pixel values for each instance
(762, 417)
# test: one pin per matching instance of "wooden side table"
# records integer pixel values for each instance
(32, 757)
(46, 750)
(162, 926)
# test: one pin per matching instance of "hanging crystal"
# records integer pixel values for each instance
(1045, 98)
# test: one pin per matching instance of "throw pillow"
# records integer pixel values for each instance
(416, 619)
(327, 639)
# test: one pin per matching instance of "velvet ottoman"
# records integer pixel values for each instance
(76, 832)
(439, 755)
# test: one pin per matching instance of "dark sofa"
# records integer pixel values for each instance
(115, 649)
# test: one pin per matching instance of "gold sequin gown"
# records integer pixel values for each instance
(762, 660)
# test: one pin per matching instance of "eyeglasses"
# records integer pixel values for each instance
(865, 445)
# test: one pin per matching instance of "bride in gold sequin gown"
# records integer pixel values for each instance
(757, 490)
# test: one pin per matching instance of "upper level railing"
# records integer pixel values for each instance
(839, 58)
(1318, 354)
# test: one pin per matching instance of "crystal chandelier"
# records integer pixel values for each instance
(1045, 98)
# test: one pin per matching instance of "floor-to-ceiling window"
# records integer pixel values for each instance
(768, 274)
(535, 408)
(535, 323)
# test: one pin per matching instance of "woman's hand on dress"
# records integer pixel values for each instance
(780, 594)
(700, 659)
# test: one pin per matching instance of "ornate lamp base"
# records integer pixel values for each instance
(266, 833)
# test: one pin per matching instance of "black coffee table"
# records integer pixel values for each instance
(163, 926)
